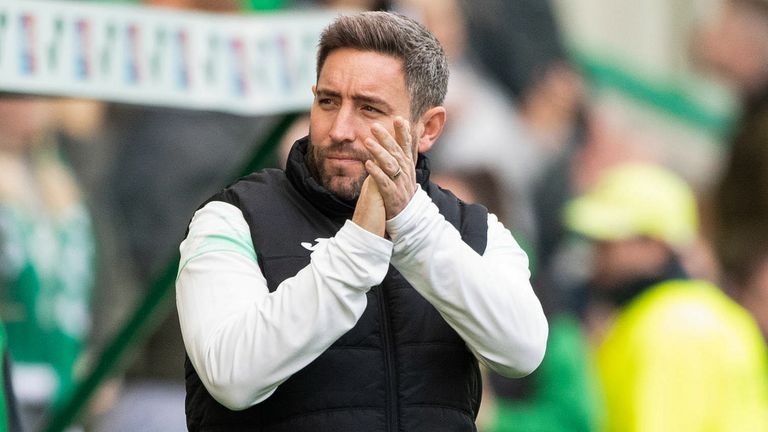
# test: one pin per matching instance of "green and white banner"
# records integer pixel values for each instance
(246, 64)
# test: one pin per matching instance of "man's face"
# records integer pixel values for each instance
(354, 90)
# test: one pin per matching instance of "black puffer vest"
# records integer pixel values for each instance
(401, 368)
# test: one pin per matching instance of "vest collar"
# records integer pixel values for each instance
(306, 184)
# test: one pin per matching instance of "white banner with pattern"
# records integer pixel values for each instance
(246, 64)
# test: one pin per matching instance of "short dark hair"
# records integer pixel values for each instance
(424, 61)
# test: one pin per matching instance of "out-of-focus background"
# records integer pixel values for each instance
(98, 182)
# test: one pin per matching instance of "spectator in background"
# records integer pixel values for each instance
(735, 44)
(519, 44)
(516, 41)
(673, 354)
(46, 257)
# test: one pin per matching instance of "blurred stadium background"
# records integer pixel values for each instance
(553, 93)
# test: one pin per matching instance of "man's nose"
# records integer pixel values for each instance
(343, 128)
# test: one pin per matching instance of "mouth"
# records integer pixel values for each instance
(340, 159)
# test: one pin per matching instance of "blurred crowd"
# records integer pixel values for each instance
(654, 274)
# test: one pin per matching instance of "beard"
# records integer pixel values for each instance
(341, 182)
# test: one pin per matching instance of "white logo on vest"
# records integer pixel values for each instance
(313, 247)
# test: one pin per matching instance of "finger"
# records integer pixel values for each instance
(403, 135)
(384, 159)
(370, 213)
(394, 198)
(369, 186)
(380, 177)
(388, 142)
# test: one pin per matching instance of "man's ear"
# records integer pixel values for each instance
(429, 127)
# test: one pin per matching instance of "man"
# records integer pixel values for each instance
(673, 354)
(348, 293)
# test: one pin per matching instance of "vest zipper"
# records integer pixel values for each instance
(389, 364)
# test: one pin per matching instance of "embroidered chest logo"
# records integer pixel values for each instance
(313, 247)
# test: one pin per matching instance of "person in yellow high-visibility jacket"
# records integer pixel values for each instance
(674, 354)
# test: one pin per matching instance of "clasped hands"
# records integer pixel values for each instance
(391, 181)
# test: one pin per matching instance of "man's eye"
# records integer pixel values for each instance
(324, 101)
(371, 109)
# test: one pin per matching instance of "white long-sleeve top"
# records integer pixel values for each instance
(244, 341)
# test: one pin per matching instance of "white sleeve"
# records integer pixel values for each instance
(245, 341)
(487, 299)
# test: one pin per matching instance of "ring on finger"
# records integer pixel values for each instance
(399, 171)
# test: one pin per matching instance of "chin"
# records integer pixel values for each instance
(344, 187)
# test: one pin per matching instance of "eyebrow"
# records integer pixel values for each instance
(358, 98)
